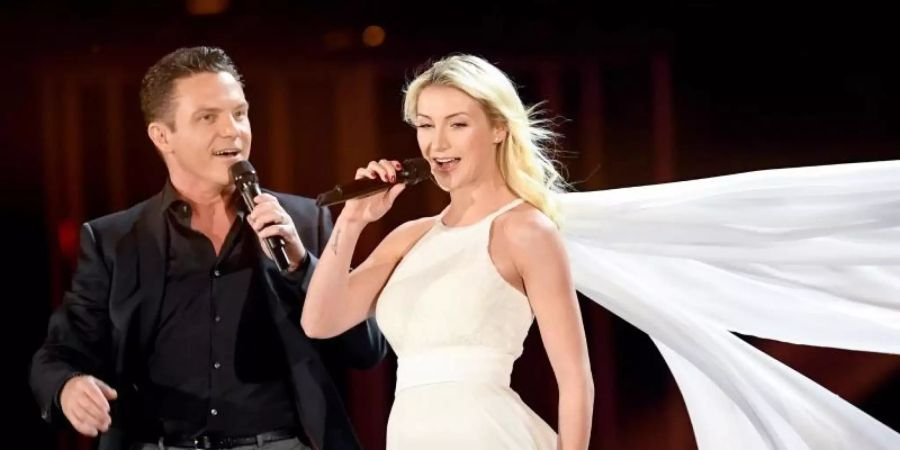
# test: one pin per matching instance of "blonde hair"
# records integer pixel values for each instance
(524, 156)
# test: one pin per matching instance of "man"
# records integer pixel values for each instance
(179, 330)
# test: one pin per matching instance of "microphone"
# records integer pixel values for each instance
(414, 170)
(244, 176)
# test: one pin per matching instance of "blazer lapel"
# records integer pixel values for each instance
(139, 277)
(152, 249)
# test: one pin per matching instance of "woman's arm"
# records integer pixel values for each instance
(539, 256)
(338, 299)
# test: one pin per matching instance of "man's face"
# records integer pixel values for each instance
(212, 129)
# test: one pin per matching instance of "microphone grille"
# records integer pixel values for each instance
(418, 169)
(242, 169)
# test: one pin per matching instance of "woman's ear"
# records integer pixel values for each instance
(500, 132)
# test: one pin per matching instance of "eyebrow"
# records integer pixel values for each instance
(244, 105)
(451, 115)
(207, 110)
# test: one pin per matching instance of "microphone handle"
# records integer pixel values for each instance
(276, 244)
(360, 188)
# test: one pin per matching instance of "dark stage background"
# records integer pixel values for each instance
(653, 93)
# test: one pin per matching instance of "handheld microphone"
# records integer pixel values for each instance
(247, 184)
(414, 170)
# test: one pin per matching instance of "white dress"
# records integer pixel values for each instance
(457, 327)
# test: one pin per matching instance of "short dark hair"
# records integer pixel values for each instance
(158, 85)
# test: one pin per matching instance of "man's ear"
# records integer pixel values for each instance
(160, 134)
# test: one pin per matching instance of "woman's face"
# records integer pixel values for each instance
(456, 136)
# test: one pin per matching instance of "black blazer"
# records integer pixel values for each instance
(109, 314)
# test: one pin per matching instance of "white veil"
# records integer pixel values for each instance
(804, 255)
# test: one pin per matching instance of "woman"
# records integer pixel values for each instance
(806, 255)
(456, 294)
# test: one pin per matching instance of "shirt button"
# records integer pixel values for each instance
(217, 365)
(214, 412)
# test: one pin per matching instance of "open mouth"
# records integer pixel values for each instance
(227, 153)
(446, 163)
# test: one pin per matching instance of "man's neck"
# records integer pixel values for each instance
(206, 201)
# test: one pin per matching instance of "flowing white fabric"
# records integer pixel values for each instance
(805, 255)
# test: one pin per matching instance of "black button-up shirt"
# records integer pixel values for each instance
(217, 365)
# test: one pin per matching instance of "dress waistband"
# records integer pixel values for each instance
(454, 364)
